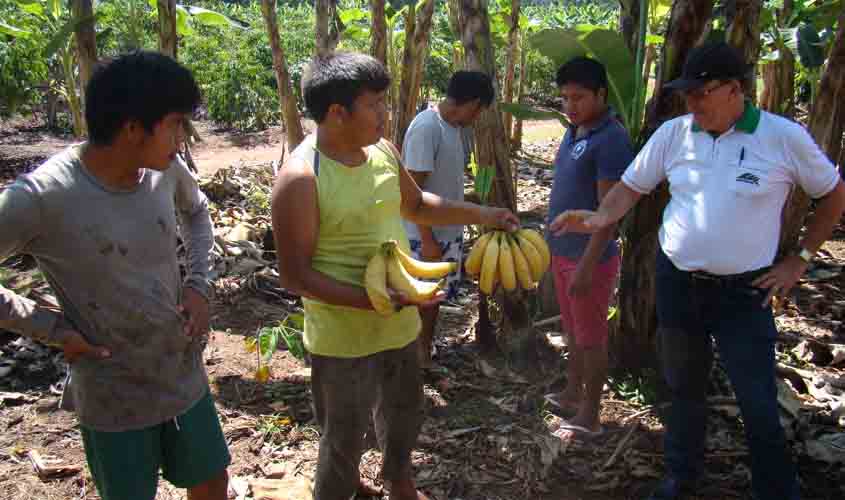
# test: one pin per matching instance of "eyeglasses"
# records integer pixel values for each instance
(702, 93)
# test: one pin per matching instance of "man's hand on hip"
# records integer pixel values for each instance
(781, 278)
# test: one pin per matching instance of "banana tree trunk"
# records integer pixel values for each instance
(287, 99)
(510, 65)
(827, 118)
(744, 34)
(516, 138)
(73, 100)
(378, 42)
(779, 76)
(629, 15)
(417, 32)
(517, 339)
(86, 42)
(327, 38)
(167, 40)
(632, 343)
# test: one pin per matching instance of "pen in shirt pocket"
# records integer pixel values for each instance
(741, 155)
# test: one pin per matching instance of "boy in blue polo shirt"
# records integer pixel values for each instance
(593, 155)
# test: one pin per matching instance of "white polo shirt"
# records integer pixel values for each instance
(728, 192)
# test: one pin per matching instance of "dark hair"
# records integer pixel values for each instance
(339, 79)
(583, 71)
(466, 86)
(142, 85)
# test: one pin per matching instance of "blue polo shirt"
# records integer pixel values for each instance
(602, 154)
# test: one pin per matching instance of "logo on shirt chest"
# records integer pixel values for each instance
(748, 178)
(578, 149)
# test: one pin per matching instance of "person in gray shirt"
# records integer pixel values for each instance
(436, 150)
(100, 219)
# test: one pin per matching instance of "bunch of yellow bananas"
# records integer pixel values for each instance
(515, 259)
(392, 268)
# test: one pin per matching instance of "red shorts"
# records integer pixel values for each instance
(585, 318)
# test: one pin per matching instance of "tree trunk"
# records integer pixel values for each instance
(167, 40)
(417, 32)
(827, 118)
(327, 38)
(779, 76)
(510, 64)
(287, 99)
(86, 42)
(516, 138)
(744, 34)
(629, 15)
(518, 337)
(632, 344)
(378, 45)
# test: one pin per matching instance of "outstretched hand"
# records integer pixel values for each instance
(578, 221)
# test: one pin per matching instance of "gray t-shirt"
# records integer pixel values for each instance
(111, 257)
(432, 145)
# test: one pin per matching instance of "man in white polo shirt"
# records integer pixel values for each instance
(730, 168)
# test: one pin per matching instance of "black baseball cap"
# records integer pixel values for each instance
(708, 62)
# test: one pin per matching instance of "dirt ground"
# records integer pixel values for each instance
(485, 434)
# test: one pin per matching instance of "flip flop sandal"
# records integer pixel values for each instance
(576, 430)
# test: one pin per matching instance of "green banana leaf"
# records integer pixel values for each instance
(211, 18)
(805, 42)
(483, 179)
(55, 8)
(10, 30)
(268, 341)
(606, 46)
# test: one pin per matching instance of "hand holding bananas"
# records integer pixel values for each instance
(500, 218)
(578, 221)
(392, 279)
(517, 259)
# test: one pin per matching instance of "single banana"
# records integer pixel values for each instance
(520, 264)
(476, 256)
(400, 280)
(422, 269)
(540, 244)
(506, 271)
(489, 267)
(532, 255)
(375, 282)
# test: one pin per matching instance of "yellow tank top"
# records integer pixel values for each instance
(359, 210)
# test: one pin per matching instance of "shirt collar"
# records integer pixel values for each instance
(747, 122)
(600, 124)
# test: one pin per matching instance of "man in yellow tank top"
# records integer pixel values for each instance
(340, 195)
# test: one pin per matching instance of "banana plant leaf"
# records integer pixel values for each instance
(268, 341)
(55, 8)
(805, 42)
(63, 35)
(10, 30)
(211, 18)
(606, 46)
(483, 179)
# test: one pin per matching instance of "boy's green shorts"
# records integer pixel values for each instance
(188, 450)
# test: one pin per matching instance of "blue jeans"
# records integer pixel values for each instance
(689, 311)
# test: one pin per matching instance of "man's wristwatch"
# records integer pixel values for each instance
(806, 255)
